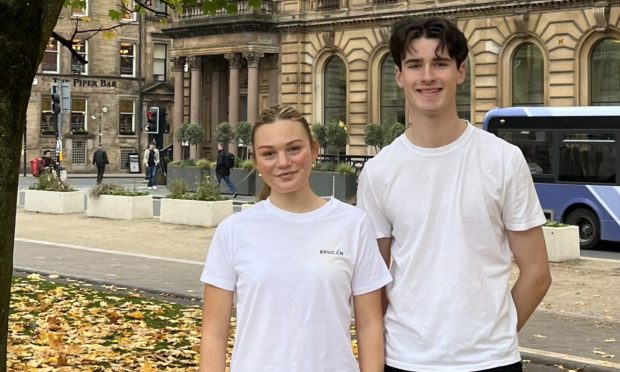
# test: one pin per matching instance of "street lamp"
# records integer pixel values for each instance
(104, 109)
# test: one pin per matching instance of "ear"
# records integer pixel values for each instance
(315, 148)
(461, 73)
(398, 75)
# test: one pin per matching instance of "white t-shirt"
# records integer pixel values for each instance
(294, 275)
(448, 209)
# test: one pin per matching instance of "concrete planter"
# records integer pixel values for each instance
(194, 212)
(55, 202)
(243, 181)
(190, 175)
(562, 243)
(342, 186)
(258, 183)
(120, 207)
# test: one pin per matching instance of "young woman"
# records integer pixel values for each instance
(293, 262)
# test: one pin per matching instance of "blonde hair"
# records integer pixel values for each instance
(271, 115)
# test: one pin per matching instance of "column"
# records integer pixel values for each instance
(177, 115)
(234, 63)
(274, 84)
(195, 105)
(215, 105)
(253, 58)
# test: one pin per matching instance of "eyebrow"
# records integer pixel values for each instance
(287, 144)
(435, 59)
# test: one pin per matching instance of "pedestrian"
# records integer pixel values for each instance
(292, 263)
(150, 161)
(100, 159)
(225, 161)
(452, 205)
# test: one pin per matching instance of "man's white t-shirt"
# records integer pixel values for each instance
(448, 209)
(294, 275)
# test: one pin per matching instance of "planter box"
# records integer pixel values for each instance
(562, 243)
(243, 181)
(194, 212)
(120, 207)
(258, 183)
(54, 201)
(190, 175)
(342, 186)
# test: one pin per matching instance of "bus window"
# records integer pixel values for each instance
(535, 146)
(588, 158)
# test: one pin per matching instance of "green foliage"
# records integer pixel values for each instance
(320, 134)
(205, 164)
(114, 189)
(324, 167)
(392, 132)
(190, 132)
(177, 189)
(246, 164)
(551, 223)
(373, 136)
(344, 168)
(207, 190)
(49, 182)
(243, 133)
(336, 134)
(224, 133)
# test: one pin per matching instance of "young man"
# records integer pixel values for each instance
(224, 162)
(452, 206)
(151, 160)
(100, 159)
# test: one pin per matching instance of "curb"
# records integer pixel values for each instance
(566, 361)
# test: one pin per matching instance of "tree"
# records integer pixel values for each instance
(320, 134)
(24, 32)
(243, 137)
(224, 134)
(373, 136)
(191, 133)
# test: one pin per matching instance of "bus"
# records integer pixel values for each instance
(572, 153)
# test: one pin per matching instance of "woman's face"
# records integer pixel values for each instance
(284, 155)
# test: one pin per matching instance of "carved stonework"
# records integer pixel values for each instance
(329, 39)
(178, 63)
(234, 60)
(253, 58)
(384, 34)
(194, 62)
(522, 19)
(601, 15)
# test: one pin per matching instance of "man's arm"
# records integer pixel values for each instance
(385, 248)
(530, 254)
(215, 328)
(369, 327)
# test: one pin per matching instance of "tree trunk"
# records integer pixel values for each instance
(24, 31)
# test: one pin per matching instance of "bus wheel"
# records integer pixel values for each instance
(589, 227)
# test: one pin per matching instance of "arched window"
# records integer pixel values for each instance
(605, 73)
(392, 96)
(528, 83)
(463, 94)
(335, 91)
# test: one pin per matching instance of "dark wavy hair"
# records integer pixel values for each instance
(408, 29)
(271, 115)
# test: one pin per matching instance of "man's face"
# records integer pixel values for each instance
(47, 155)
(429, 78)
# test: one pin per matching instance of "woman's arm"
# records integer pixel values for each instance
(369, 327)
(215, 329)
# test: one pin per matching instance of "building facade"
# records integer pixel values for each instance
(330, 59)
(128, 71)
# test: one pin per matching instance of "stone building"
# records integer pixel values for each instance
(330, 59)
(128, 71)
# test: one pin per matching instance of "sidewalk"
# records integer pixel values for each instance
(577, 325)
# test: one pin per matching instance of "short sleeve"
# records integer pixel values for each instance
(367, 200)
(370, 272)
(522, 209)
(219, 269)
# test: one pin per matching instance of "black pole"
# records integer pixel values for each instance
(25, 156)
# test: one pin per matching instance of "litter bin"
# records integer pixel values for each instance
(134, 163)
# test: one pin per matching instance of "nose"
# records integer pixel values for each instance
(283, 160)
(427, 73)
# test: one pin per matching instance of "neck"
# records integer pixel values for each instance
(436, 130)
(297, 201)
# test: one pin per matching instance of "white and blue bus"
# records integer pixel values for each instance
(573, 157)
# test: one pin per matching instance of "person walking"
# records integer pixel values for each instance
(150, 159)
(292, 262)
(452, 205)
(100, 159)
(225, 162)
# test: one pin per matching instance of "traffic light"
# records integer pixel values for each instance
(152, 121)
(56, 103)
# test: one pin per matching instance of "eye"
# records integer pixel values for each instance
(266, 154)
(441, 64)
(295, 149)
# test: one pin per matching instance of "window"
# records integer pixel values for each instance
(605, 73)
(80, 10)
(528, 76)
(335, 91)
(588, 158)
(51, 58)
(78, 115)
(463, 94)
(392, 96)
(77, 67)
(127, 11)
(328, 4)
(127, 60)
(78, 152)
(126, 121)
(159, 62)
(48, 126)
(156, 5)
(535, 146)
(125, 157)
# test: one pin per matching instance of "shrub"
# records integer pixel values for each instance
(224, 133)
(345, 168)
(324, 167)
(246, 164)
(114, 189)
(320, 134)
(205, 164)
(49, 182)
(373, 136)
(207, 190)
(178, 189)
(551, 223)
